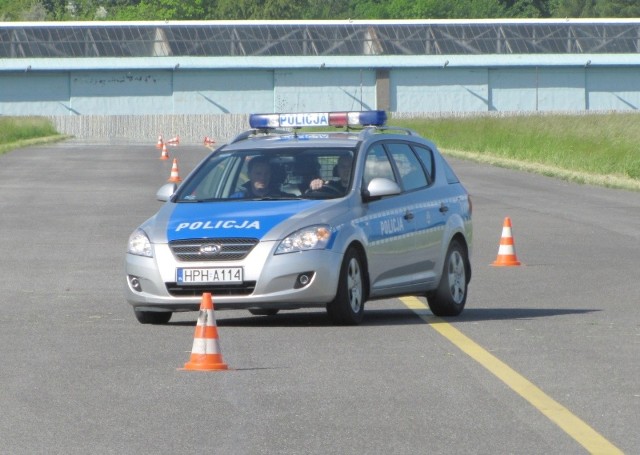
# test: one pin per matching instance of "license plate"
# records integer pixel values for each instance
(209, 275)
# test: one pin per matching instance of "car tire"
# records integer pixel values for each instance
(153, 317)
(347, 308)
(264, 311)
(451, 295)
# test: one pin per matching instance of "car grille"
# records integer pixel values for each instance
(177, 290)
(231, 249)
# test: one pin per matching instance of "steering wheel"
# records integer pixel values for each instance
(324, 192)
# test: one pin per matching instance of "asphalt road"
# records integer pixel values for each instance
(79, 374)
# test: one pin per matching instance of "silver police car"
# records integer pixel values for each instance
(286, 217)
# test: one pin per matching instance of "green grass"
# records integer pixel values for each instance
(16, 132)
(601, 149)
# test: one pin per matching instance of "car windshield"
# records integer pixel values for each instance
(270, 175)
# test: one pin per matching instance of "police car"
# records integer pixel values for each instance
(286, 217)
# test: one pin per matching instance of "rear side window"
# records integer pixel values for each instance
(426, 157)
(409, 167)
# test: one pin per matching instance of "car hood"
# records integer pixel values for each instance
(265, 220)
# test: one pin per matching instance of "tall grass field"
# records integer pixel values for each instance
(602, 149)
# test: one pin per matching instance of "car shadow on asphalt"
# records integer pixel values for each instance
(384, 317)
(307, 318)
(498, 314)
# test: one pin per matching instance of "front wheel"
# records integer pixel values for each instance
(451, 295)
(153, 317)
(347, 308)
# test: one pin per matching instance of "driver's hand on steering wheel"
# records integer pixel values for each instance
(316, 184)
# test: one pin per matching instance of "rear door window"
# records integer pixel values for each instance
(410, 170)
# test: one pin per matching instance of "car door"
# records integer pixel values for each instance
(414, 165)
(388, 227)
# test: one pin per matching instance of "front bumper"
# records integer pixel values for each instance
(270, 281)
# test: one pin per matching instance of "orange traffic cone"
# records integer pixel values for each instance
(507, 250)
(208, 141)
(159, 143)
(175, 173)
(206, 355)
(165, 152)
(174, 140)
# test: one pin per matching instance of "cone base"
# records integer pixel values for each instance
(505, 262)
(192, 366)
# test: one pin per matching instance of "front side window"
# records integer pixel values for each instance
(377, 164)
(269, 175)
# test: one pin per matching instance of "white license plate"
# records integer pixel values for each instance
(209, 275)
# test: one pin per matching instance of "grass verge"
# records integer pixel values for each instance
(597, 149)
(16, 132)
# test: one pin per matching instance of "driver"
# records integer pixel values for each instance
(260, 182)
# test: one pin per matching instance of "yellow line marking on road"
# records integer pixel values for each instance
(558, 414)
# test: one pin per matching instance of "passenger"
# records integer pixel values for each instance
(343, 170)
(259, 184)
(307, 169)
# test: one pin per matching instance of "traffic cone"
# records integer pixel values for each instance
(159, 143)
(165, 152)
(175, 173)
(507, 249)
(174, 141)
(208, 141)
(205, 354)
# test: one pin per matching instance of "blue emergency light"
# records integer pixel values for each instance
(312, 119)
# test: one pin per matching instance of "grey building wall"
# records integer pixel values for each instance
(93, 103)
(430, 90)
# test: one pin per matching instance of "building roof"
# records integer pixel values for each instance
(19, 40)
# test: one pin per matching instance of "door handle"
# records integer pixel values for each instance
(408, 216)
(443, 208)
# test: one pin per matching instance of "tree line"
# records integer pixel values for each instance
(148, 10)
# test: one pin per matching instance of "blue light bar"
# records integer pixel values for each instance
(313, 119)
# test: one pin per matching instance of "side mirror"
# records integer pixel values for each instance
(379, 187)
(166, 191)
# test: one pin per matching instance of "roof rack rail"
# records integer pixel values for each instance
(390, 129)
(257, 131)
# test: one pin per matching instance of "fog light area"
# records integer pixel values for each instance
(303, 279)
(134, 282)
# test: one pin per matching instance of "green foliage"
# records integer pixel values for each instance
(617, 8)
(572, 8)
(60, 10)
(259, 9)
(152, 10)
(427, 9)
(21, 10)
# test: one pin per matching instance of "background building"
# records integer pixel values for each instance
(124, 79)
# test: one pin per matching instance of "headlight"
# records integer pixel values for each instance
(139, 244)
(311, 238)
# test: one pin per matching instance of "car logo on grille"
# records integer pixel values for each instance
(210, 250)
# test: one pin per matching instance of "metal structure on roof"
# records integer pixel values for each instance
(316, 38)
